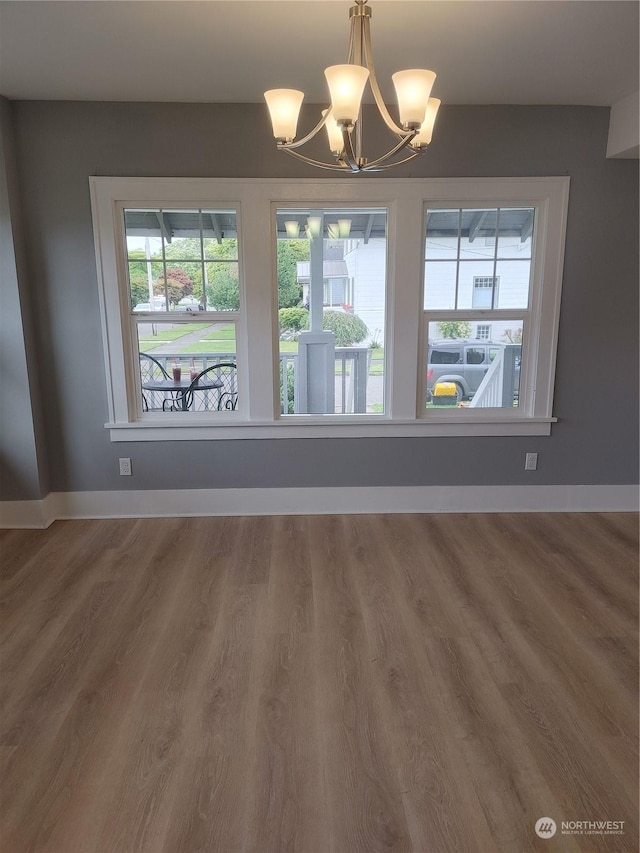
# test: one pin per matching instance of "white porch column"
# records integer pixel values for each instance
(316, 348)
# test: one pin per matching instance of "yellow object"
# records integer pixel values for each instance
(445, 389)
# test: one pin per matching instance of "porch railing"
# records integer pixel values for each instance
(351, 373)
(499, 387)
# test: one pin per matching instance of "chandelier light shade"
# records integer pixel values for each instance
(343, 118)
(344, 228)
(423, 137)
(314, 225)
(284, 107)
(292, 227)
(413, 88)
(333, 132)
(346, 85)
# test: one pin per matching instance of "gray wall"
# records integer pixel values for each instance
(23, 469)
(595, 441)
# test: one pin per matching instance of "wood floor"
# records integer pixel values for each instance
(331, 684)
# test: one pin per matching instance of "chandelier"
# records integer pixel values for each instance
(343, 118)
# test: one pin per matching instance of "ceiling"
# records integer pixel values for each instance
(485, 52)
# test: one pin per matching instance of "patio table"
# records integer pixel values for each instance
(181, 386)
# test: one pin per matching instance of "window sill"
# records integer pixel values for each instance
(380, 428)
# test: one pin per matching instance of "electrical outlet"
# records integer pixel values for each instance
(530, 462)
(125, 467)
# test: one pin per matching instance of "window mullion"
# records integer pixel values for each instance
(164, 262)
(495, 263)
(202, 263)
(406, 270)
(260, 370)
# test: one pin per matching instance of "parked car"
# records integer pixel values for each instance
(189, 304)
(463, 362)
(159, 303)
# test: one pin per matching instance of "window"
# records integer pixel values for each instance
(183, 273)
(332, 299)
(478, 266)
(440, 355)
(484, 291)
(224, 275)
(474, 355)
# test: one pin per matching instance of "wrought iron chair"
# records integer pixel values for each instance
(224, 372)
(150, 369)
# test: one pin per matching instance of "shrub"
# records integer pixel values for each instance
(349, 329)
(293, 319)
(290, 391)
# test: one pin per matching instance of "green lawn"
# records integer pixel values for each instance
(166, 335)
(219, 340)
(211, 345)
(225, 333)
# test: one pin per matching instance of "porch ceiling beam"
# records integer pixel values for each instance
(476, 224)
(368, 228)
(527, 228)
(216, 227)
(163, 227)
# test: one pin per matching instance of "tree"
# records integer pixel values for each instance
(223, 293)
(178, 285)
(138, 284)
(454, 329)
(185, 248)
(512, 336)
(289, 253)
(138, 279)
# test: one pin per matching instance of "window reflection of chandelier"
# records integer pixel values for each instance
(343, 119)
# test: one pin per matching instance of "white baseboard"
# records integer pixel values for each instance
(37, 514)
(387, 499)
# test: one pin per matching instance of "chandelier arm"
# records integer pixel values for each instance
(402, 144)
(332, 166)
(375, 168)
(287, 146)
(373, 82)
(348, 152)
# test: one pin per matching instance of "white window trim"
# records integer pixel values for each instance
(255, 200)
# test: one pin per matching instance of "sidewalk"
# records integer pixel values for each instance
(170, 347)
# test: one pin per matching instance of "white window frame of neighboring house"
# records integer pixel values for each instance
(328, 286)
(486, 332)
(485, 282)
(406, 202)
